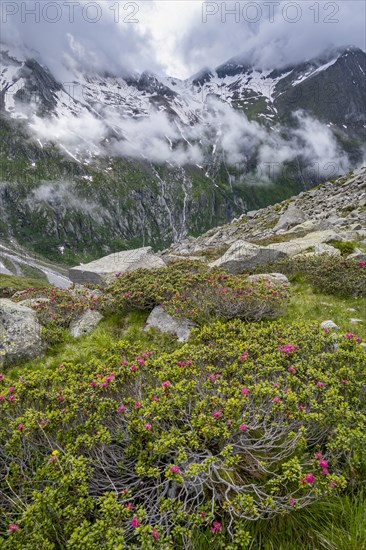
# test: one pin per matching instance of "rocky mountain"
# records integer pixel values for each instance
(104, 162)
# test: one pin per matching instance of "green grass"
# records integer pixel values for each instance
(21, 283)
(309, 305)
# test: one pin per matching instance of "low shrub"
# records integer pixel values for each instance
(141, 449)
(56, 308)
(346, 247)
(327, 273)
(193, 290)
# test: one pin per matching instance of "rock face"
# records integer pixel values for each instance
(329, 325)
(298, 246)
(20, 333)
(102, 270)
(164, 322)
(242, 256)
(86, 323)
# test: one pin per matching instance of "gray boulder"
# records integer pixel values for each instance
(291, 217)
(330, 325)
(86, 323)
(20, 333)
(242, 256)
(274, 277)
(300, 245)
(323, 248)
(103, 270)
(164, 322)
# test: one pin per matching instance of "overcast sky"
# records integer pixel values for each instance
(180, 37)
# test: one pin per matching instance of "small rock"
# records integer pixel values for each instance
(165, 322)
(275, 277)
(86, 323)
(326, 249)
(330, 325)
(355, 321)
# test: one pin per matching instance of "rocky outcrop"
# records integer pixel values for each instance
(292, 216)
(242, 256)
(164, 322)
(86, 323)
(20, 333)
(273, 277)
(102, 270)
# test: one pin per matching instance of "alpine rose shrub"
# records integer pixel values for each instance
(327, 273)
(193, 290)
(242, 422)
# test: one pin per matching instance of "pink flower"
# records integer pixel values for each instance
(344, 381)
(12, 397)
(212, 377)
(93, 384)
(243, 427)
(216, 414)
(154, 398)
(121, 409)
(11, 389)
(276, 399)
(174, 470)
(292, 370)
(166, 384)
(155, 534)
(325, 472)
(129, 506)
(349, 335)
(141, 361)
(292, 501)
(202, 514)
(13, 527)
(216, 527)
(318, 455)
(326, 330)
(20, 426)
(2, 397)
(309, 478)
(244, 356)
(135, 522)
(288, 348)
(61, 398)
(1, 376)
(137, 404)
(133, 368)
(358, 339)
(320, 384)
(361, 264)
(124, 362)
(244, 391)
(323, 464)
(52, 458)
(333, 483)
(302, 408)
(147, 426)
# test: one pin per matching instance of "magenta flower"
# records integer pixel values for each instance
(309, 478)
(361, 264)
(133, 368)
(135, 522)
(13, 527)
(20, 426)
(288, 348)
(217, 414)
(325, 472)
(292, 370)
(212, 377)
(349, 335)
(358, 339)
(323, 464)
(155, 534)
(333, 483)
(320, 384)
(1, 376)
(121, 409)
(302, 408)
(52, 459)
(174, 470)
(2, 397)
(318, 455)
(244, 391)
(147, 426)
(216, 527)
(12, 397)
(292, 501)
(124, 362)
(276, 399)
(138, 404)
(166, 384)
(93, 384)
(154, 398)
(11, 389)
(344, 381)
(244, 356)
(243, 427)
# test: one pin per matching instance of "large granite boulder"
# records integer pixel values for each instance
(303, 244)
(242, 256)
(164, 322)
(278, 278)
(103, 270)
(20, 333)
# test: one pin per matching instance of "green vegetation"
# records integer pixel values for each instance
(20, 283)
(251, 435)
